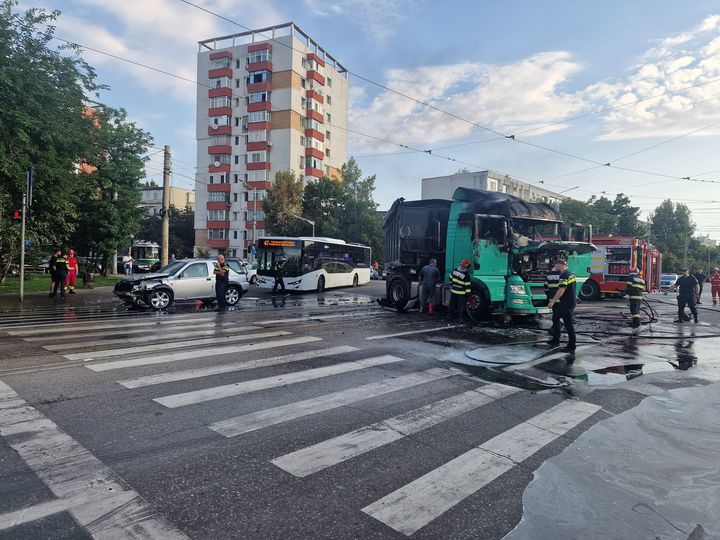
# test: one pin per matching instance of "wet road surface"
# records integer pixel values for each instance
(308, 417)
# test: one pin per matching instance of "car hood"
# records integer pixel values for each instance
(135, 278)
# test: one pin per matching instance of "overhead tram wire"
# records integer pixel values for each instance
(512, 137)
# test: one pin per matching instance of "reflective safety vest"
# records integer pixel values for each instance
(225, 277)
(635, 287)
(552, 282)
(460, 282)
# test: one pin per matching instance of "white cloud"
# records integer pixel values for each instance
(158, 33)
(687, 59)
(378, 18)
(525, 93)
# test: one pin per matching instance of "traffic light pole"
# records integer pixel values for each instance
(22, 249)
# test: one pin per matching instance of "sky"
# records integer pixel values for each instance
(563, 77)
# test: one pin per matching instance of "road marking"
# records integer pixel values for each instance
(123, 332)
(416, 504)
(327, 453)
(292, 411)
(73, 320)
(106, 353)
(99, 501)
(409, 333)
(38, 511)
(313, 318)
(173, 376)
(144, 338)
(246, 387)
(189, 355)
(73, 326)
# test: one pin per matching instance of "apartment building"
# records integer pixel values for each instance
(443, 187)
(151, 199)
(271, 100)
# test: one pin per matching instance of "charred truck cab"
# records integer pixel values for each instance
(511, 244)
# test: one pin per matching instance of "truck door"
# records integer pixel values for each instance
(490, 255)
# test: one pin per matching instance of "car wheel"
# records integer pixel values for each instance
(590, 290)
(232, 295)
(321, 284)
(355, 280)
(159, 298)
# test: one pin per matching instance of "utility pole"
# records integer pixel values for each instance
(254, 238)
(165, 209)
(26, 202)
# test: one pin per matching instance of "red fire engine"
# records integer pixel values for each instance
(611, 264)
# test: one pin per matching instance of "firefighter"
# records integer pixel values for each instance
(563, 305)
(688, 289)
(459, 290)
(72, 264)
(60, 272)
(715, 285)
(634, 290)
(222, 279)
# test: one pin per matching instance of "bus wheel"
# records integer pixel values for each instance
(321, 284)
(478, 305)
(355, 280)
(590, 290)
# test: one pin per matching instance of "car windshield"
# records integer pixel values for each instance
(172, 268)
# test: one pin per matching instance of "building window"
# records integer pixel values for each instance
(237, 160)
(260, 135)
(259, 56)
(237, 140)
(217, 234)
(258, 97)
(302, 140)
(218, 215)
(234, 235)
(302, 162)
(212, 179)
(302, 82)
(237, 83)
(235, 178)
(237, 64)
(327, 152)
(327, 135)
(247, 196)
(235, 216)
(245, 234)
(220, 63)
(218, 196)
(234, 197)
(259, 116)
(224, 179)
(256, 157)
(237, 121)
(328, 81)
(222, 101)
(329, 100)
(258, 176)
(312, 162)
(329, 118)
(217, 121)
(258, 76)
(492, 185)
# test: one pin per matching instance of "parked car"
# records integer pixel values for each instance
(185, 280)
(252, 272)
(667, 282)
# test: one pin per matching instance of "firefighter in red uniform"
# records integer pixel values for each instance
(72, 264)
(715, 285)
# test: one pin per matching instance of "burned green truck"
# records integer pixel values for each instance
(511, 245)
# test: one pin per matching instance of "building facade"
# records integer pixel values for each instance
(270, 100)
(151, 199)
(443, 187)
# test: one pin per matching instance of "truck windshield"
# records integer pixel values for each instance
(537, 230)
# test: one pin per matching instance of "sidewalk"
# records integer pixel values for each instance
(33, 300)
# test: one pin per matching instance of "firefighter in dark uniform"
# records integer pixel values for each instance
(635, 290)
(222, 279)
(59, 275)
(563, 305)
(459, 290)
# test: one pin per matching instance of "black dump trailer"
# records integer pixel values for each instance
(415, 232)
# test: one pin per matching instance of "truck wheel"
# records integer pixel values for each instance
(399, 293)
(478, 305)
(590, 290)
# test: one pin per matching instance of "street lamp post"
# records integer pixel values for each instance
(311, 222)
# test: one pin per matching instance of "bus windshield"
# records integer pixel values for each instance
(282, 254)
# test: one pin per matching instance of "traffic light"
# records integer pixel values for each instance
(16, 217)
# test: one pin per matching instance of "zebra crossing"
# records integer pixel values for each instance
(140, 355)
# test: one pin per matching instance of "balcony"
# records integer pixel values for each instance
(256, 126)
(260, 106)
(220, 111)
(259, 184)
(259, 166)
(315, 115)
(251, 205)
(259, 145)
(310, 171)
(220, 149)
(314, 94)
(315, 134)
(219, 130)
(258, 66)
(215, 205)
(220, 92)
(224, 224)
(315, 76)
(218, 244)
(313, 56)
(249, 224)
(259, 47)
(220, 54)
(214, 188)
(220, 72)
(259, 87)
(314, 152)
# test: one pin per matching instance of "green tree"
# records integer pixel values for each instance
(182, 231)
(284, 199)
(627, 217)
(109, 208)
(323, 203)
(42, 100)
(671, 230)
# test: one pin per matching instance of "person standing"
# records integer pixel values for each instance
(60, 273)
(715, 285)
(701, 277)
(127, 264)
(635, 290)
(688, 290)
(459, 290)
(73, 268)
(563, 305)
(51, 268)
(279, 282)
(429, 277)
(222, 279)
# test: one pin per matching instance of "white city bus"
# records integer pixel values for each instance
(312, 264)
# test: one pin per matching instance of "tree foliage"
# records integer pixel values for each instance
(283, 200)
(182, 231)
(616, 217)
(671, 230)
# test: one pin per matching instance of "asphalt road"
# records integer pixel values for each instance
(315, 416)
